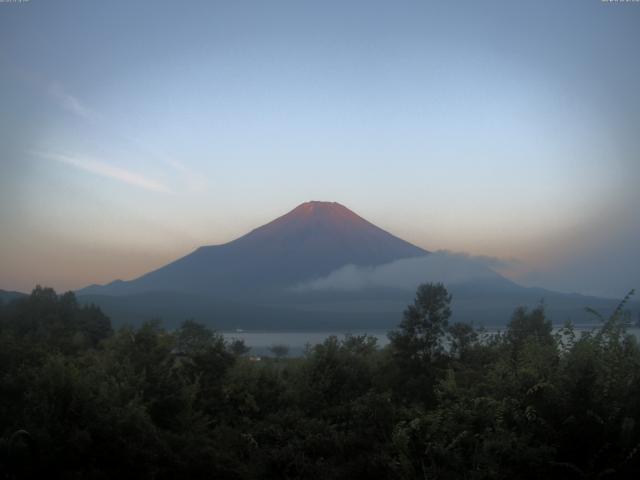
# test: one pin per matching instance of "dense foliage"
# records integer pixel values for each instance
(78, 400)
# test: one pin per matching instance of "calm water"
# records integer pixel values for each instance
(297, 341)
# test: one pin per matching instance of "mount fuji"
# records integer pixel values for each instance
(320, 266)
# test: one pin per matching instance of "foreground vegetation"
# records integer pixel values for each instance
(78, 400)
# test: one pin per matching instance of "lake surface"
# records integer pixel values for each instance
(296, 341)
(261, 341)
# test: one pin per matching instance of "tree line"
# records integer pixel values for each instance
(443, 400)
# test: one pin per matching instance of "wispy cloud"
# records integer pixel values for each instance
(195, 182)
(441, 266)
(70, 102)
(104, 169)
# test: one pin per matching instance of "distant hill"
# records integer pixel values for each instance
(7, 296)
(321, 266)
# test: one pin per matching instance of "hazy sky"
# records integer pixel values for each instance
(132, 132)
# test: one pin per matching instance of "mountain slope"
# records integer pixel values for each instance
(310, 241)
(321, 266)
(8, 296)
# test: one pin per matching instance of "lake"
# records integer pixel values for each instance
(260, 341)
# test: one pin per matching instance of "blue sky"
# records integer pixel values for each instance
(132, 132)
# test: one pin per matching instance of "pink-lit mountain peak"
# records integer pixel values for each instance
(325, 234)
(316, 207)
(316, 211)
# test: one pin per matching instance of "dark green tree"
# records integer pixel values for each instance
(420, 334)
(417, 344)
(462, 337)
(279, 350)
(238, 347)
